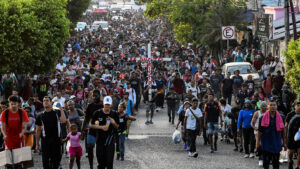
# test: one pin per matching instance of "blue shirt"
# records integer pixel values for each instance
(180, 109)
(270, 139)
(194, 70)
(129, 105)
(245, 118)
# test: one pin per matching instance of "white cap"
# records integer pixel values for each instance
(107, 100)
(72, 97)
(204, 74)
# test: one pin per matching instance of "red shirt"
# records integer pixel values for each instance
(14, 128)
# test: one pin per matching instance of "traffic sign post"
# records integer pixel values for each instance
(228, 32)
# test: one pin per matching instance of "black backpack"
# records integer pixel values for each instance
(20, 114)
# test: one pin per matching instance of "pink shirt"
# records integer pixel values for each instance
(75, 140)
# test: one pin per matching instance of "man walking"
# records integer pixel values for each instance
(212, 114)
(91, 135)
(106, 122)
(48, 128)
(270, 136)
(191, 120)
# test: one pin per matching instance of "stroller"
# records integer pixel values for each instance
(228, 127)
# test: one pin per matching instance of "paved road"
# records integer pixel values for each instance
(151, 147)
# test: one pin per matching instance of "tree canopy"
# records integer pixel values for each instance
(32, 36)
(199, 21)
(75, 9)
(293, 65)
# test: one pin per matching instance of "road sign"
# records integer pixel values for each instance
(228, 32)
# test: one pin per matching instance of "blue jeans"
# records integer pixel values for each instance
(122, 144)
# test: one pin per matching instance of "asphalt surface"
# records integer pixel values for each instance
(151, 147)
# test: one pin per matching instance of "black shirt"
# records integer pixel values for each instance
(49, 121)
(89, 113)
(212, 110)
(135, 84)
(290, 116)
(100, 116)
(227, 85)
(251, 85)
(123, 123)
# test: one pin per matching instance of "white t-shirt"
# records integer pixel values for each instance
(225, 109)
(191, 120)
(278, 67)
(60, 67)
(265, 69)
(61, 100)
(195, 90)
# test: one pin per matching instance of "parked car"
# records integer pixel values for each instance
(245, 69)
(80, 26)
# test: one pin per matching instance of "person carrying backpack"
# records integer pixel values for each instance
(13, 126)
(49, 130)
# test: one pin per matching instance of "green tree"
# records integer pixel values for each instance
(293, 65)
(75, 9)
(32, 36)
(198, 21)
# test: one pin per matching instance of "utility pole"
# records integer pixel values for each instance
(286, 23)
(294, 20)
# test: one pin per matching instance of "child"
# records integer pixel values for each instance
(75, 150)
(122, 130)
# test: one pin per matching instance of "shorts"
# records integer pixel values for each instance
(212, 128)
(75, 151)
(150, 107)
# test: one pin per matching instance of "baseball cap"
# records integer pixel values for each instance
(263, 103)
(107, 100)
(248, 101)
(187, 102)
(72, 97)
(116, 91)
(204, 74)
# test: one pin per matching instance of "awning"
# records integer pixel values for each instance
(98, 11)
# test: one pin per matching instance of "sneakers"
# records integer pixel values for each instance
(188, 149)
(147, 122)
(211, 150)
(246, 156)
(195, 154)
(150, 122)
(236, 149)
(260, 163)
(118, 157)
(252, 155)
(184, 146)
(241, 150)
(122, 159)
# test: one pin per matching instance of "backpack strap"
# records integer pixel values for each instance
(6, 116)
(20, 115)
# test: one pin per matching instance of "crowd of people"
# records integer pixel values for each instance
(96, 89)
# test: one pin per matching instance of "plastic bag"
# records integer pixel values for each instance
(176, 137)
(297, 136)
(68, 145)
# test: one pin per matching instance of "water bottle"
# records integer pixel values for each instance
(107, 123)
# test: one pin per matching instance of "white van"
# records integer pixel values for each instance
(96, 24)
